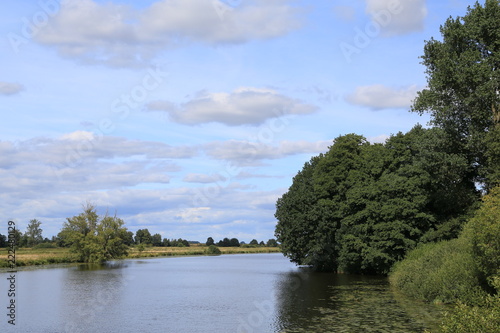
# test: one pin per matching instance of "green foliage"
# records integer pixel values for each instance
(272, 243)
(492, 169)
(484, 318)
(462, 271)
(360, 207)
(142, 236)
(3, 240)
(94, 239)
(443, 272)
(210, 241)
(464, 83)
(226, 242)
(34, 233)
(129, 238)
(156, 240)
(484, 231)
(212, 250)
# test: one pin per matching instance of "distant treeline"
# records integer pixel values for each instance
(234, 242)
(89, 220)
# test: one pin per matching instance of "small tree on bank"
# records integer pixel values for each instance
(95, 239)
(34, 233)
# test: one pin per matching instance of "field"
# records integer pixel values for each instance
(30, 256)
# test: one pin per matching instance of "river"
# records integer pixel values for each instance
(256, 293)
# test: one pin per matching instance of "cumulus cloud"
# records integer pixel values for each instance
(379, 97)
(49, 179)
(398, 17)
(118, 35)
(82, 161)
(7, 88)
(250, 153)
(251, 106)
(202, 178)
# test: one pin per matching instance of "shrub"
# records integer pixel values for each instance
(213, 250)
(484, 232)
(467, 319)
(439, 272)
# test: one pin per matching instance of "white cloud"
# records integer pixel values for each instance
(398, 17)
(7, 88)
(250, 106)
(250, 153)
(202, 178)
(379, 97)
(378, 139)
(38, 180)
(81, 161)
(118, 35)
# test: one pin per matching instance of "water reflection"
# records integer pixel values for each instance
(325, 302)
(90, 289)
(261, 293)
(106, 265)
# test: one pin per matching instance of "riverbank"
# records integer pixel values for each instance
(34, 257)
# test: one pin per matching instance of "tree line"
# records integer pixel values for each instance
(31, 237)
(234, 242)
(95, 238)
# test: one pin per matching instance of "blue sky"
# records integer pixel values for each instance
(191, 117)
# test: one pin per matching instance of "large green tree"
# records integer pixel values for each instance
(95, 239)
(463, 88)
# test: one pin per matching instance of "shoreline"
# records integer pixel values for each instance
(29, 258)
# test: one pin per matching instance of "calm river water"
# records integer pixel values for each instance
(229, 293)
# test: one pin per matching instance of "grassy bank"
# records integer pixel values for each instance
(31, 256)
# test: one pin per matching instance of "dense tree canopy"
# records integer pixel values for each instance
(463, 94)
(360, 207)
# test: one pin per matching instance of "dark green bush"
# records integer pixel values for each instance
(213, 250)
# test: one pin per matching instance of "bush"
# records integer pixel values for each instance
(467, 319)
(213, 250)
(443, 272)
(484, 231)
